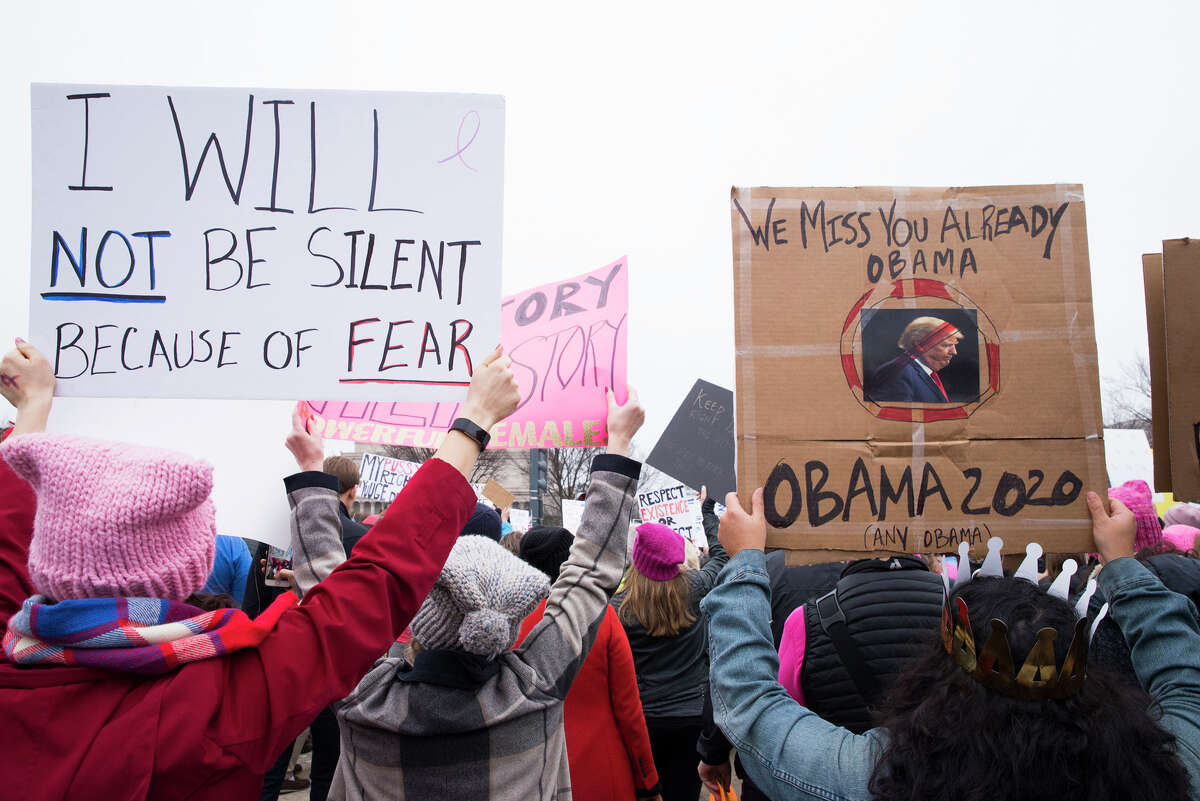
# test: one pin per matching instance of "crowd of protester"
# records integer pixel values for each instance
(436, 653)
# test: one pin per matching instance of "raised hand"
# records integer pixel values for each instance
(27, 382)
(739, 530)
(623, 421)
(308, 448)
(1114, 534)
(493, 394)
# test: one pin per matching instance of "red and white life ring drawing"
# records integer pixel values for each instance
(933, 294)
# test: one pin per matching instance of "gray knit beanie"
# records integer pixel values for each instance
(479, 600)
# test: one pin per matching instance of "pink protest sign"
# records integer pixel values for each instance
(567, 341)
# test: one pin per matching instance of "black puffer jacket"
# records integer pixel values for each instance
(892, 610)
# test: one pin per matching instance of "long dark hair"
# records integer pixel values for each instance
(950, 737)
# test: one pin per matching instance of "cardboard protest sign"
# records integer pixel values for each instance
(568, 341)
(916, 367)
(697, 446)
(1127, 456)
(381, 478)
(572, 514)
(676, 507)
(1181, 325)
(498, 494)
(265, 243)
(1152, 276)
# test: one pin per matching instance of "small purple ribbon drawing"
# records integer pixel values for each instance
(462, 148)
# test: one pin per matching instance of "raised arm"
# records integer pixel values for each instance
(707, 576)
(317, 545)
(1159, 626)
(788, 750)
(319, 650)
(27, 382)
(557, 645)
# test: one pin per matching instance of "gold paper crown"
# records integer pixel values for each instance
(1040, 676)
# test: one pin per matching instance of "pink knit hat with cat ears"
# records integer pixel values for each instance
(658, 551)
(115, 520)
(1137, 496)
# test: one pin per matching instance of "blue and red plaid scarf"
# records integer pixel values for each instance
(135, 635)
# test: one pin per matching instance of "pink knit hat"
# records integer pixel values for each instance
(115, 520)
(1140, 500)
(1183, 514)
(1181, 536)
(658, 551)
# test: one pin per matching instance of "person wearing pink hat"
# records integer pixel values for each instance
(1139, 499)
(1186, 514)
(1181, 537)
(659, 607)
(113, 685)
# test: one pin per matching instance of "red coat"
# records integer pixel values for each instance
(608, 747)
(210, 729)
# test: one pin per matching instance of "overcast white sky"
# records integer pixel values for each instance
(628, 122)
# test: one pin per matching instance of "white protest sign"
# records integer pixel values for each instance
(265, 243)
(243, 440)
(676, 507)
(382, 478)
(1128, 457)
(519, 519)
(572, 514)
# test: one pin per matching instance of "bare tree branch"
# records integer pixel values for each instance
(1126, 399)
(490, 464)
(567, 474)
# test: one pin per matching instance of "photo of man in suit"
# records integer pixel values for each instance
(929, 344)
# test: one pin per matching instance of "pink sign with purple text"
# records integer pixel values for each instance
(567, 340)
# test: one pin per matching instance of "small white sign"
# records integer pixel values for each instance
(677, 507)
(572, 514)
(519, 519)
(381, 478)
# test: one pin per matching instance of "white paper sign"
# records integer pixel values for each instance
(572, 514)
(265, 243)
(519, 519)
(676, 507)
(1128, 456)
(381, 478)
(243, 440)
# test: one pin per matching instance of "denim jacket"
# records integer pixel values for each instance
(790, 752)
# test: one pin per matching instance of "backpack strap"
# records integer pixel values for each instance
(829, 611)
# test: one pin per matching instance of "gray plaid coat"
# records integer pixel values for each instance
(455, 726)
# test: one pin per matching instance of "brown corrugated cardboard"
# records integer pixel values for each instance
(828, 281)
(1181, 291)
(497, 494)
(1152, 277)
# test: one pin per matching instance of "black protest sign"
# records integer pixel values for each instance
(697, 446)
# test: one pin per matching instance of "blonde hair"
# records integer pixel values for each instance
(661, 607)
(920, 328)
(511, 542)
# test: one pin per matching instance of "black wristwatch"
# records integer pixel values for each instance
(480, 435)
